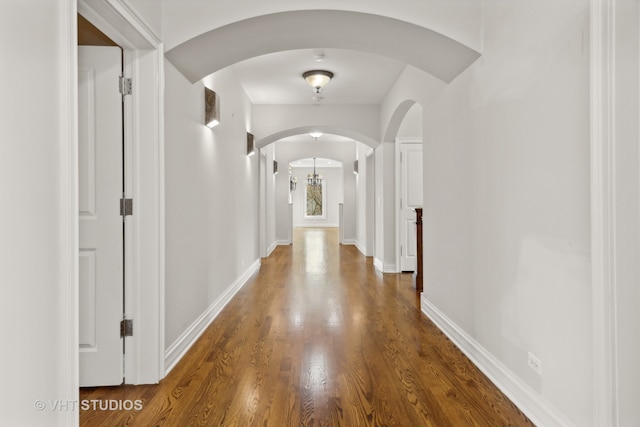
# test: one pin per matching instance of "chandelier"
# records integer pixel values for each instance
(313, 179)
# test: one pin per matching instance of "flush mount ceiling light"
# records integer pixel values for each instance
(317, 79)
(315, 135)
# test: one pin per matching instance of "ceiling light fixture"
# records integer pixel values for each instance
(318, 56)
(314, 179)
(315, 135)
(317, 79)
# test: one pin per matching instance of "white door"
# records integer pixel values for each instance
(101, 231)
(410, 198)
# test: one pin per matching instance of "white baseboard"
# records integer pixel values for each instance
(534, 406)
(361, 248)
(378, 264)
(283, 243)
(271, 248)
(391, 267)
(179, 348)
(350, 242)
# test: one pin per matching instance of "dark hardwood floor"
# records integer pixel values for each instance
(317, 338)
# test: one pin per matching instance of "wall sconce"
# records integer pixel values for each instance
(211, 108)
(275, 167)
(355, 167)
(293, 181)
(250, 147)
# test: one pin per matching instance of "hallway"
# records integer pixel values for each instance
(317, 337)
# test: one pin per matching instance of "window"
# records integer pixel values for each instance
(315, 201)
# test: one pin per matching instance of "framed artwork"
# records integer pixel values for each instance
(315, 199)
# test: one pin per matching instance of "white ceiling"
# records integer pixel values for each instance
(359, 78)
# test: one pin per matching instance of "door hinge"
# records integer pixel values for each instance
(126, 207)
(126, 328)
(125, 86)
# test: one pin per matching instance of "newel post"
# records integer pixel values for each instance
(418, 269)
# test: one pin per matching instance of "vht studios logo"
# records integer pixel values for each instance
(88, 405)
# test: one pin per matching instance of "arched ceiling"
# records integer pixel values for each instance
(344, 134)
(404, 42)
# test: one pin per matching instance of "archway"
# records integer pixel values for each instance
(400, 188)
(441, 56)
(329, 130)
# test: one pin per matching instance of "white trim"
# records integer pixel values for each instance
(131, 224)
(135, 21)
(161, 211)
(68, 303)
(399, 141)
(144, 363)
(283, 243)
(118, 20)
(603, 210)
(361, 248)
(271, 248)
(534, 406)
(409, 139)
(352, 242)
(391, 267)
(378, 264)
(180, 346)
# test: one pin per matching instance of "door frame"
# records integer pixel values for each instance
(398, 189)
(262, 202)
(144, 170)
(612, 152)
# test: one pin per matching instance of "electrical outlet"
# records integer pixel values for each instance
(534, 363)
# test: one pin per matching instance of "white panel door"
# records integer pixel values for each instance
(101, 231)
(411, 198)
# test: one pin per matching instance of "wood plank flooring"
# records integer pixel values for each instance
(317, 338)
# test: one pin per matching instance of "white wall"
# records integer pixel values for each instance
(334, 190)
(411, 126)
(150, 12)
(362, 206)
(506, 162)
(211, 197)
(271, 199)
(378, 253)
(38, 226)
(370, 204)
(353, 119)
